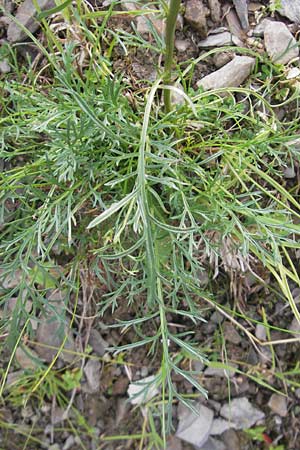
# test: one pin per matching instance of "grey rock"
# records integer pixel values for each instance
(54, 447)
(98, 344)
(222, 58)
(232, 74)
(215, 10)
(220, 425)
(212, 444)
(219, 40)
(195, 15)
(231, 440)
(278, 404)
(231, 334)
(142, 390)
(297, 393)
(259, 30)
(261, 332)
(289, 172)
(8, 5)
(280, 44)
(4, 66)
(241, 413)
(241, 8)
(234, 24)
(182, 45)
(51, 332)
(69, 442)
(295, 327)
(92, 372)
(27, 359)
(195, 428)
(26, 15)
(291, 9)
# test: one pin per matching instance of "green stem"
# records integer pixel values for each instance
(169, 40)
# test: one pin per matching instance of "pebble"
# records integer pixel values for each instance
(54, 447)
(137, 392)
(297, 393)
(215, 10)
(27, 359)
(295, 326)
(212, 444)
(261, 332)
(219, 40)
(92, 372)
(289, 172)
(195, 428)
(4, 66)
(290, 9)
(231, 334)
(69, 442)
(259, 30)
(220, 59)
(232, 74)
(26, 15)
(241, 413)
(195, 15)
(144, 24)
(229, 371)
(241, 8)
(278, 404)
(231, 440)
(97, 342)
(278, 39)
(182, 45)
(219, 426)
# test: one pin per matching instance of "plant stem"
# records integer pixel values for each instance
(169, 40)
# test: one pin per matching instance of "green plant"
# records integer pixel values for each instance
(99, 179)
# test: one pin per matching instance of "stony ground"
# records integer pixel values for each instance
(239, 398)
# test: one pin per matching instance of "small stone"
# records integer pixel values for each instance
(69, 442)
(241, 413)
(280, 44)
(231, 334)
(4, 66)
(215, 10)
(27, 412)
(290, 9)
(295, 327)
(54, 447)
(98, 344)
(234, 24)
(218, 40)
(220, 59)
(297, 393)
(260, 332)
(231, 440)
(92, 372)
(241, 8)
(182, 45)
(57, 415)
(195, 428)
(27, 358)
(212, 444)
(195, 15)
(289, 172)
(142, 390)
(144, 24)
(219, 426)
(293, 73)
(232, 74)
(26, 15)
(278, 404)
(259, 30)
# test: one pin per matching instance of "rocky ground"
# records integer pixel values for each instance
(253, 392)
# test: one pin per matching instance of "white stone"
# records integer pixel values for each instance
(26, 15)
(232, 74)
(241, 413)
(280, 44)
(142, 391)
(290, 9)
(195, 428)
